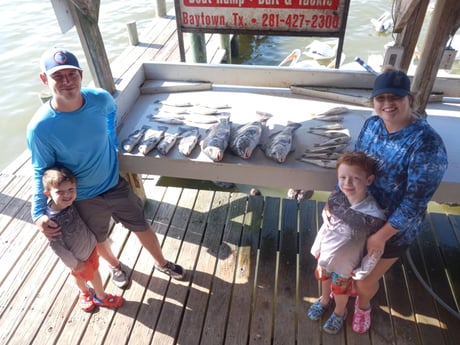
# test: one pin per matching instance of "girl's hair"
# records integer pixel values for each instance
(53, 177)
(359, 159)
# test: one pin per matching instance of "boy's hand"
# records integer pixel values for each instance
(80, 266)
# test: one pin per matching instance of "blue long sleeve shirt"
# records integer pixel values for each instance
(83, 141)
(410, 166)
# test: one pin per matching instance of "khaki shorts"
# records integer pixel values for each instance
(119, 203)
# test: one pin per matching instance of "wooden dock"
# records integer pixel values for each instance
(249, 277)
(249, 272)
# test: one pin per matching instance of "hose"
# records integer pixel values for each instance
(429, 289)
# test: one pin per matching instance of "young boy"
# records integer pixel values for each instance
(340, 242)
(76, 246)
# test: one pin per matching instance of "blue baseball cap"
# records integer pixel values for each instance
(56, 59)
(393, 82)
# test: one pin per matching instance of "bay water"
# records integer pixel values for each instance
(29, 27)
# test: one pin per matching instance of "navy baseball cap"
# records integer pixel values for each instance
(56, 59)
(394, 82)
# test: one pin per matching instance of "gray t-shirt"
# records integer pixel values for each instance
(76, 242)
(341, 245)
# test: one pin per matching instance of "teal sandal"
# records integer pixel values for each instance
(335, 323)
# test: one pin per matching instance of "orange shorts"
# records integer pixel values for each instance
(91, 266)
(339, 285)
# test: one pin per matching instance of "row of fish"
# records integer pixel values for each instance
(179, 112)
(148, 138)
(243, 140)
(326, 153)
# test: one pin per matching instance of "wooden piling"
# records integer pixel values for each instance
(132, 33)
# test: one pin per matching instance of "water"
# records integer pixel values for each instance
(24, 39)
(28, 28)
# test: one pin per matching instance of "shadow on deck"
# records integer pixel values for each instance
(250, 277)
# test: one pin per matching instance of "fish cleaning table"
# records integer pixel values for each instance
(211, 86)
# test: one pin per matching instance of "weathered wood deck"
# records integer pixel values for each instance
(250, 277)
(250, 274)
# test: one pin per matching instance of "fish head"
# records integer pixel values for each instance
(214, 152)
(279, 153)
(243, 147)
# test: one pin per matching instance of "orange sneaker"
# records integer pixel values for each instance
(110, 301)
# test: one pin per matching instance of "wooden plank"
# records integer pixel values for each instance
(168, 324)
(123, 319)
(148, 302)
(159, 282)
(450, 250)
(345, 95)
(13, 198)
(18, 291)
(215, 324)
(204, 238)
(402, 314)
(165, 86)
(455, 220)
(93, 46)
(309, 332)
(5, 180)
(445, 281)
(422, 301)
(16, 241)
(429, 265)
(20, 166)
(241, 308)
(285, 305)
(381, 331)
(262, 323)
(37, 320)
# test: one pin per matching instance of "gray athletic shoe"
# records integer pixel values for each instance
(173, 270)
(119, 276)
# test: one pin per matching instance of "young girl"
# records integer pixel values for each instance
(340, 243)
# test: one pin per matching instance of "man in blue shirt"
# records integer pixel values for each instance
(76, 129)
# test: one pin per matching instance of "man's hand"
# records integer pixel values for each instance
(48, 227)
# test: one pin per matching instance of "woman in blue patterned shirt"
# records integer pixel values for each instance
(411, 161)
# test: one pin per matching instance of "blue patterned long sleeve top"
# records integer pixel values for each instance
(410, 166)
